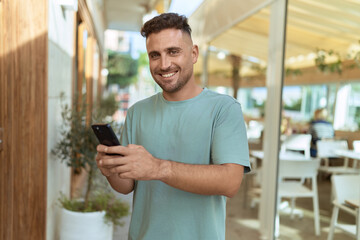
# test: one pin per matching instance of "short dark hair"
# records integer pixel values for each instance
(166, 21)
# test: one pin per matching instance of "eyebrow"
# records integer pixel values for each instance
(167, 50)
(173, 48)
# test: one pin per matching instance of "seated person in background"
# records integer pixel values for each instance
(320, 128)
(285, 127)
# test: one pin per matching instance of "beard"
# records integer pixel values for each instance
(174, 87)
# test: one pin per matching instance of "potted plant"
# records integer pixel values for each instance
(99, 209)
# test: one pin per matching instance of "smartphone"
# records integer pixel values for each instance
(105, 134)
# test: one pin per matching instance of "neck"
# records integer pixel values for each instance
(188, 91)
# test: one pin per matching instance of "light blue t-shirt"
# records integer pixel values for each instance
(207, 129)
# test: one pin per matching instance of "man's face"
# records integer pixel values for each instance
(171, 57)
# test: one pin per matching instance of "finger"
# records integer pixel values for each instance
(108, 170)
(100, 156)
(120, 169)
(100, 148)
(111, 161)
(126, 175)
(113, 149)
(101, 166)
(134, 146)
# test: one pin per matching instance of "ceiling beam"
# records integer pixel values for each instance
(309, 76)
(213, 17)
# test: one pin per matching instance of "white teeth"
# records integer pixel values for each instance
(168, 75)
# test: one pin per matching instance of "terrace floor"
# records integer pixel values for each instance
(242, 222)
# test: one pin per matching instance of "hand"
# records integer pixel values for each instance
(135, 163)
(101, 156)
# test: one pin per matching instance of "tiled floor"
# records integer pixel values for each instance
(242, 221)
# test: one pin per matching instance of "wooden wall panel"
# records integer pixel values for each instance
(99, 82)
(78, 180)
(349, 136)
(89, 75)
(80, 63)
(75, 56)
(23, 115)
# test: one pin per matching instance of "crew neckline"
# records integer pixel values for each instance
(183, 101)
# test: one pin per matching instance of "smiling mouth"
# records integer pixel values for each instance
(167, 75)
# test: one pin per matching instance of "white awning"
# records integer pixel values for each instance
(214, 17)
(127, 15)
(241, 28)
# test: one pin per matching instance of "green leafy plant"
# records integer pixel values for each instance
(356, 57)
(323, 66)
(106, 107)
(293, 72)
(122, 68)
(259, 69)
(294, 105)
(322, 63)
(99, 201)
(77, 148)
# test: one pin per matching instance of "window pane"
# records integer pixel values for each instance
(347, 110)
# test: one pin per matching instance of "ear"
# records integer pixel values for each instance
(195, 53)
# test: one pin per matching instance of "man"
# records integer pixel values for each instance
(319, 129)
(183, 150)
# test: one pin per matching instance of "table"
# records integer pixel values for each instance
(286, 155)
(347, 153)
(355, 203)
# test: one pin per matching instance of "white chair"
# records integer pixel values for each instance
(345, 187)
(253, 190)
(297, 142)
(293, 189)
(254, 130)
(356, 145)
(325, 150)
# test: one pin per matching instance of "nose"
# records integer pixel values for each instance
(165, 63)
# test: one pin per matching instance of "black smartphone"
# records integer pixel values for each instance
(105, 134)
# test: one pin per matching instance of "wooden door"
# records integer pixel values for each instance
(23, 118)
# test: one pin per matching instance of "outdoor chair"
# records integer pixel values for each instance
(296, 170)
(254, 190)
(346, 187)
(325, 151)
(356, 145)
(297, 142)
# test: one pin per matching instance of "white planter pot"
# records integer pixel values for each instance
(84, 226)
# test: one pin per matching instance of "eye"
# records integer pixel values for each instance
(173, 52)
(154, 55)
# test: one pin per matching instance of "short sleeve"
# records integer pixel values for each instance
(230, 143)
(125, 138)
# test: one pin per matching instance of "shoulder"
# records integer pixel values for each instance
(144, 103)
(220, 100)
(223, 107)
